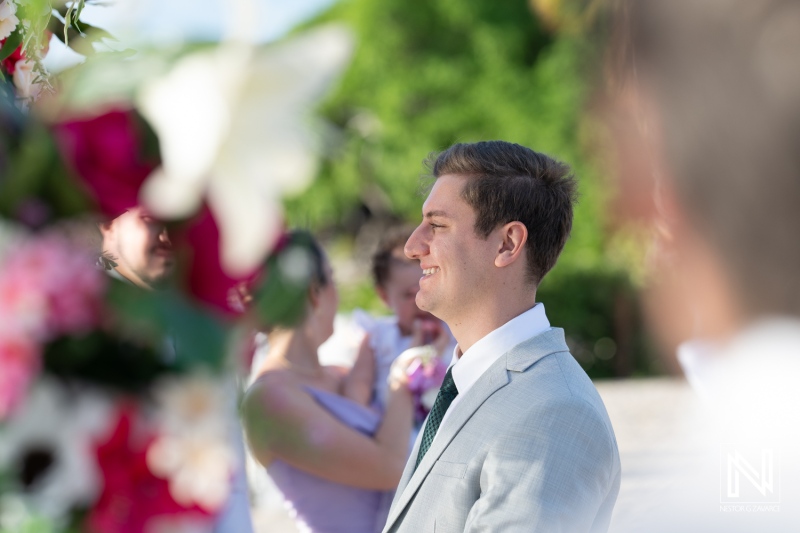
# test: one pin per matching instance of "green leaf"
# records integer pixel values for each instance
(69, 22)
(79, 39)
(11, 44)
(196, 336)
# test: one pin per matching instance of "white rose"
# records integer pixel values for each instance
(8, 18)
(23, 79)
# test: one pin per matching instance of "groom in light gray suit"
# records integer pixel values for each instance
(518, 438)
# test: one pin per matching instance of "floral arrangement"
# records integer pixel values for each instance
(25, 32)
(103, 427)
(117, 404)
(425, 376)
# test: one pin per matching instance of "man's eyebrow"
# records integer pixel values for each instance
(431, 214)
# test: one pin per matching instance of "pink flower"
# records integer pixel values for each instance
(106, 154)
(23, 305)
(47, 289)
(19, 363)
(25, 79)
(425, 377)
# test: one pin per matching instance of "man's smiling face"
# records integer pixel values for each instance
(140, 246)
(457, 263)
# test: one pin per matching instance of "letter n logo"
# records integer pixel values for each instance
(749, 477)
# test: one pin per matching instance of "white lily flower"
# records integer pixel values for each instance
(233, 123)
(192, 450)
(49, 444)
(8, 18)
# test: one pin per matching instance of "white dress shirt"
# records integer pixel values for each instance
(468, 368)
(745, 420)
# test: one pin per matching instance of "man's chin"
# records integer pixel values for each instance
(428, 309)
(159, 278)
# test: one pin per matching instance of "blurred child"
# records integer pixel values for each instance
(396, 280)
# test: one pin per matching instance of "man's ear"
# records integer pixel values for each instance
(513, 236)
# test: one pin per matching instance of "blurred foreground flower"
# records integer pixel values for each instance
(20, 363)
(8, 18)
(192, 451)
(25, 80)
(105, 152)
(233, 128)
(47, 289)
(133, 499)
(46, 447)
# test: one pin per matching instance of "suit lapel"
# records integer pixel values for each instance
(518, 359)
(494, 378)
(409, 469)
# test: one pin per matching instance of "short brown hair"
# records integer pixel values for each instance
(383, 258)
(508, 183)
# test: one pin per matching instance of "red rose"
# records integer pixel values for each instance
(10, 63)
(105, 153)
(132, 497)
(206, 279)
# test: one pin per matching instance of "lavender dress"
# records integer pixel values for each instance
(322, 506)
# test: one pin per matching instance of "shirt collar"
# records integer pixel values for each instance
(114, 273)
(481, 355)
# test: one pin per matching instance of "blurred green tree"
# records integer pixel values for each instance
(430, 73)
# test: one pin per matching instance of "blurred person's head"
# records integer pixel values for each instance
(494, 223)
(396, 279)
(713, 93)
(301, 253)
(137, 246)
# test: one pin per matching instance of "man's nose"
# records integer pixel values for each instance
(163, 236)
(414, 245)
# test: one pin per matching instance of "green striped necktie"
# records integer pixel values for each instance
(446, 395)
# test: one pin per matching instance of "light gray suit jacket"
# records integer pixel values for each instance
(528, 448)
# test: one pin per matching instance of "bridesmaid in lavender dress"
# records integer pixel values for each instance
(333, 459)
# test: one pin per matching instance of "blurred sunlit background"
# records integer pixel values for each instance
(423, 75)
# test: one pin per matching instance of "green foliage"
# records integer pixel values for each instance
(599, 313)
(11, 44)
(361, 295)
(154, 333)
(33, 170)
(282, 297)
(103, 359)
(429, 73)
(156, 318)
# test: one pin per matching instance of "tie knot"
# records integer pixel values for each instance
(448, 385)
